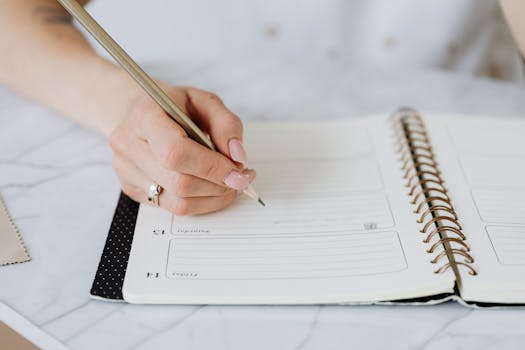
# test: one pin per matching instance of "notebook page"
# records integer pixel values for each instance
(337, 228)
(483, 161)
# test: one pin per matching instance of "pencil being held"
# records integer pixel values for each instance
(195, 179)
(203, 172)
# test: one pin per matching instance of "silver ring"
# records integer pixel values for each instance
(153, 193)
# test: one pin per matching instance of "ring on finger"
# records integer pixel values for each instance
(153, 193)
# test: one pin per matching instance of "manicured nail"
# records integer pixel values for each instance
(237, 180)
(237, 151)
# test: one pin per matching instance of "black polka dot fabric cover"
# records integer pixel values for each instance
(114, 260)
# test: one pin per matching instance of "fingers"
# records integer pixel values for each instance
(150, 147)
(132, 181)
(176, 152)
(199, 205)
(176, 183)
(135, 184)
(224, 127)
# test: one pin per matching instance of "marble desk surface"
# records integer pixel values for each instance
(57, 181)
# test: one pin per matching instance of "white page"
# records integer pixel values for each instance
(337, 228)
(483, 162)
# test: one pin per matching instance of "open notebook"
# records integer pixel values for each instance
(404, 208)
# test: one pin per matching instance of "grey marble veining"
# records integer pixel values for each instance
(57, 181)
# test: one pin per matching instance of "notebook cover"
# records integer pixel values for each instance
(111, 270)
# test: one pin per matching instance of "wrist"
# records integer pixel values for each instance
(121, 93)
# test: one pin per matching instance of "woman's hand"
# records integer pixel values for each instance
(150, 147)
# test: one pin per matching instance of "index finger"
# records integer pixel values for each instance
(176, 151)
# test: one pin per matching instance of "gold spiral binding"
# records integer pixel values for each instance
(441, 229)
(433, 208)
(429, 202)
(429, 194)
(419, 174)
(445, 267)
(424, 192)
(406, 162)
(425, 181)
(419, 164)
(468, 258)
(441, 242)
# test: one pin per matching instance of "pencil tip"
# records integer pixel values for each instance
(262, 203)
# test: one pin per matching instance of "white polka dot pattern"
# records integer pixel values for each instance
(114, 261)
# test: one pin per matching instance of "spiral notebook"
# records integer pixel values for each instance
(403, 208)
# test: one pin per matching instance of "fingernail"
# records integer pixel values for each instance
(237, 180)
(237, 151)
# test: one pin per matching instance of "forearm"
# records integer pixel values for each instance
(514, 11)
(46, 58)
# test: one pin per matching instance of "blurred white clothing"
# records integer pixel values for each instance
(466, 36)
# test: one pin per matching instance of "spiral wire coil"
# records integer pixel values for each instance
(430, 198)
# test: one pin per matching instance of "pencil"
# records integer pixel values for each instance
(144, 80)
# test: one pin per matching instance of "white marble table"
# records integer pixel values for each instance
(57, 181)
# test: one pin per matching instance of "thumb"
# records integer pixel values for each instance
(223, 126)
